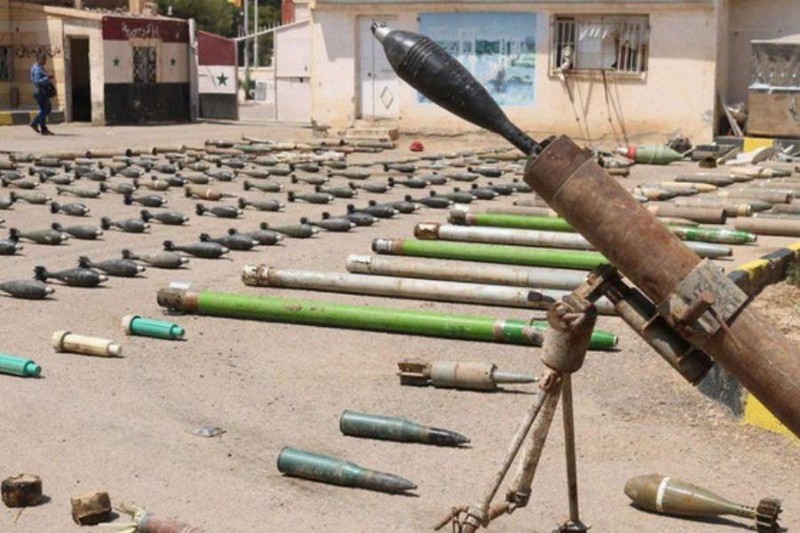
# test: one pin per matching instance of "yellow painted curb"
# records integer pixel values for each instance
(5, 119)
(753, 267)
(754, 143)
(755, 414)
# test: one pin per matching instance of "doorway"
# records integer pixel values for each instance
(80, 82)
(379, 88)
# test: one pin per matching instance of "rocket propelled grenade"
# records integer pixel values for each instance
(396, 429)
(672, 496)
(464, 375)
(299, 463)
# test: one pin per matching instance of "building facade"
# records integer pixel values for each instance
(108, 69)
(596, 70)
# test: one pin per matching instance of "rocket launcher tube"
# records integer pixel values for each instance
(18, 366)
(295, 311)
(417, 267)
(491, 253)
(499, 220)
(398, 287)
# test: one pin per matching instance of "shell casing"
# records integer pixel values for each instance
(396, 429)
(299, 463)
(18, 366)
(146, 327)
(65, 341)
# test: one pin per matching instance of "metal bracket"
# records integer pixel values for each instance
(702, 303)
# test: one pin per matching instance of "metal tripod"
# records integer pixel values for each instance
(565, 345)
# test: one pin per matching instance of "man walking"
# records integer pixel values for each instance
(43, 90)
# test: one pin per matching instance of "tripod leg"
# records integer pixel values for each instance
(520, 490)
(574, 523)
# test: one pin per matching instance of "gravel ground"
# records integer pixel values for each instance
(125, 425)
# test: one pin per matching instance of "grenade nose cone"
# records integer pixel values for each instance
(380, 31)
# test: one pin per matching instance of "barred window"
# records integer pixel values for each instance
(616, 43)
(6, 64)
(144, 64)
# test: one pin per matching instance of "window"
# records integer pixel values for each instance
(6, 65)
(616, 43)
(144, 64)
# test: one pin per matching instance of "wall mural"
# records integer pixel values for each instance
(497, 48)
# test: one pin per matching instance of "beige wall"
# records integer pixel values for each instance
(675, 96)
(752, 20)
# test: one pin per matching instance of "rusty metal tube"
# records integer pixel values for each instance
(420, 289)
(656, 261)
(769, 226)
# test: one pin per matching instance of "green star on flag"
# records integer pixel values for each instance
(222, 79)
(172, 61)
(116, 61)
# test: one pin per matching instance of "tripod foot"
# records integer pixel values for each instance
(572, 527)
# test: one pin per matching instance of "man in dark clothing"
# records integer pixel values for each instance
(41, 82)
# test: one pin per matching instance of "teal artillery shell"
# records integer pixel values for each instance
(18, 366)
(309, 465)
(147, 327)
(396, 429)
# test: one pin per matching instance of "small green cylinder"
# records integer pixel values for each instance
(147, 327)
(18, 366)
(721, 236)
(492, 253)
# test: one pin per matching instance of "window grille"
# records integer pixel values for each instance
(6, 64)
(616, 43)
(144, 64)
